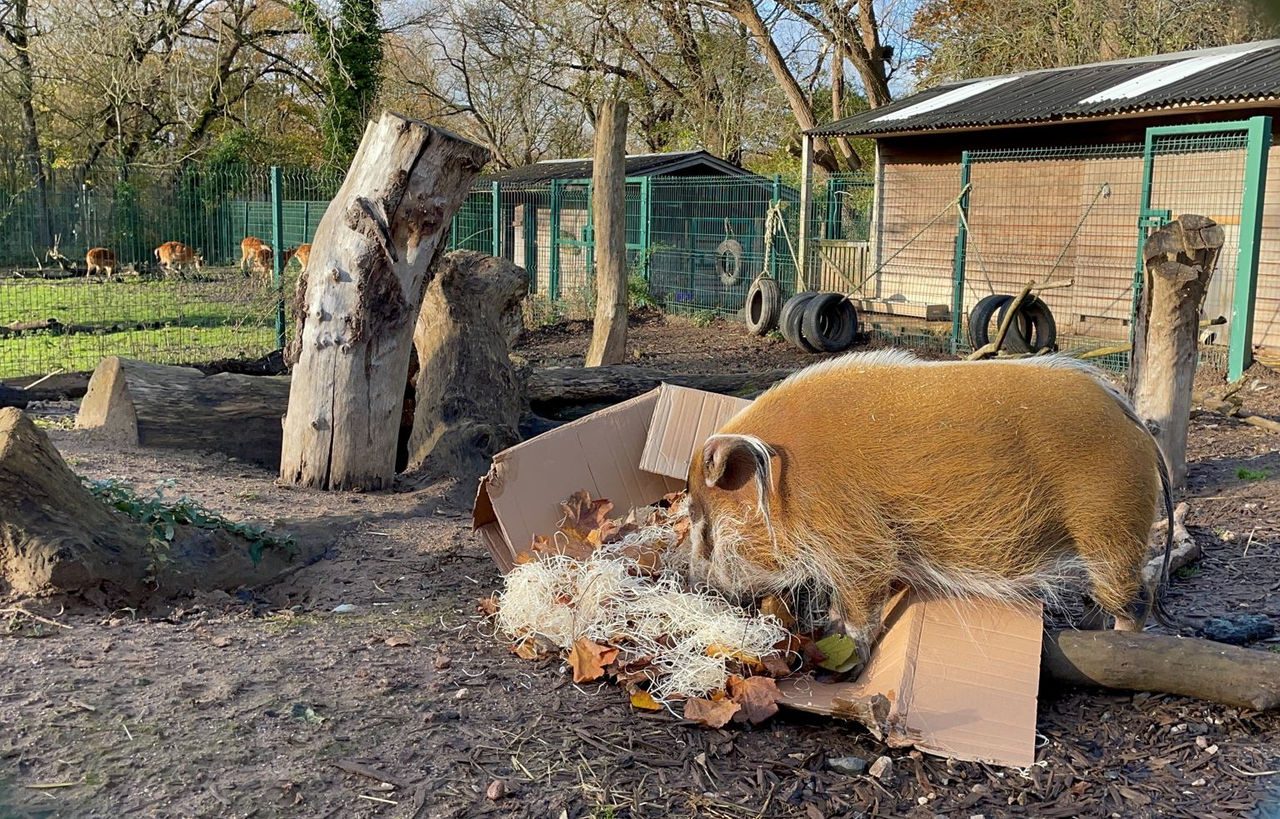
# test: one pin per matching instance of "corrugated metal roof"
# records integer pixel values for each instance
(1250, 71)
(684, 162)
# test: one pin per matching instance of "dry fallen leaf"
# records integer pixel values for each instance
(757, 696)
(775, 605)
(588, 659)
(710, 713)
(487, 606)
(532, 648)
(644, 701)
(774, 666)
(221, 641)
(398, 640)
(582, 514)
(717, 650)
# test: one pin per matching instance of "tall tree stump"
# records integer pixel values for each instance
(359, 297)
(468, 397)
(55, 536)
(609, 214)
(1180, 258)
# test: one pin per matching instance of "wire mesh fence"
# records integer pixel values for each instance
(916, 248)
(53, 316)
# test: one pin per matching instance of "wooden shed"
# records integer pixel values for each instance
(1058, 174)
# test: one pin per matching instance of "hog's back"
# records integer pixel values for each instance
(972, 457)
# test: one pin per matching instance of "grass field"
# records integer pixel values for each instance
(224, 316)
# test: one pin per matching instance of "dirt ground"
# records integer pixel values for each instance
(247, 704)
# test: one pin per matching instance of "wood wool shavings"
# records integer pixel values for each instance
(686, 637)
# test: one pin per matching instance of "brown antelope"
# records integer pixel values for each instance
(175, 257)
(101, 260)
(1001, 479)
(302, 252)
(249, 247)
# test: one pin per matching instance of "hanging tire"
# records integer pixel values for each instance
(790, 317)
(1033, 329)
(980, 318)
(729, 261)
(829, 323)
(764, 302)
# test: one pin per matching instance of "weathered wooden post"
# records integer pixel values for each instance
(1180, 258)
(358, 299)
(609, 206)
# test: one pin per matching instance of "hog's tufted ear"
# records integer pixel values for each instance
(730, 462)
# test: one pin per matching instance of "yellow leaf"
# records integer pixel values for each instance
(717, 650)
(644, 701)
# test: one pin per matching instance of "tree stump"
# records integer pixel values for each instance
(154, 405)
(359, 297)
(55, 536)
(1180, 258)
(609, 212)
(468, 397)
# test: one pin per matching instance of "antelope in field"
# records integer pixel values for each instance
(175, 257)
(250, 254)
(302, 252)
(101, 260)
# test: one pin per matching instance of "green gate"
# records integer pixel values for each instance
(1218, 170)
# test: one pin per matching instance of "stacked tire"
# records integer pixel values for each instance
(819, 322)
(1033, 329)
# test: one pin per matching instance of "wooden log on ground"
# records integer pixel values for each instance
(155, 405)
(609, 211)
(468, 399)
(55, 536)
(1180, 258)
(1141, 661)
(359, 298)
(567, 386)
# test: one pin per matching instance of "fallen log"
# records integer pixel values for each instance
(1160, 664)
(56, 536)
(565, 386)
(156, 405)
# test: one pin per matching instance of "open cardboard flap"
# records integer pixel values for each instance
(961, 675)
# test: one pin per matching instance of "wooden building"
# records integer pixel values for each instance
(1057, 174)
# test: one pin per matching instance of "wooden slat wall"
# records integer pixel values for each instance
(911, 195)
(1266, 319)
(842, 264)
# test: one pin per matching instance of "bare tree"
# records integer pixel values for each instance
(16, 30)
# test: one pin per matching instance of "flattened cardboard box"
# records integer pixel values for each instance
(961, 675)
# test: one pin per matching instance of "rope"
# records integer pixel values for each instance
(1104, 192)
(954, 203)
(773, 222)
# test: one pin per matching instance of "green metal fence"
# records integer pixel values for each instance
(694, 244)
(54, 319)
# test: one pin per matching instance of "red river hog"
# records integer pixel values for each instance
(872, 471)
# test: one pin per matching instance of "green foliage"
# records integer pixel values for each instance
(704, 318)
(164, 516)
(349, 49)
(1244, 473)
(639, 297)
(1187, 572)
